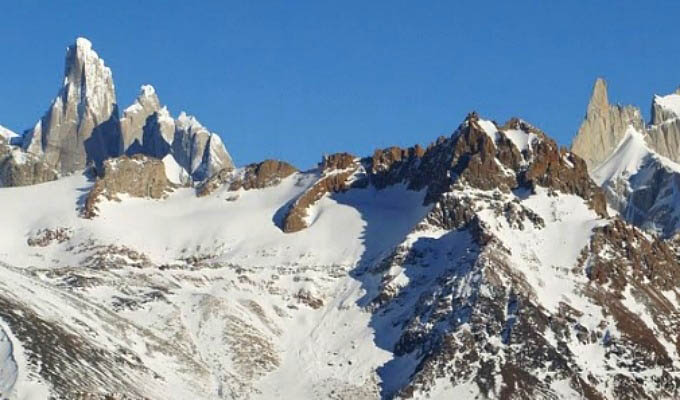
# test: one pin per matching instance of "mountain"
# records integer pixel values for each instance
(604, 126)
(81, 125)
(485, 265)
(82, 128)
(635, 163)
(149, 129)
(7, 136)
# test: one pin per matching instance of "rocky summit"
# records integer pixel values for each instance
(138, 262)
(82, 128)
(635, 163)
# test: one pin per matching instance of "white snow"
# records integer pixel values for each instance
(8, 366)
(546, 255)
(332, 346)
(175, 173)
(147, 90)
(7, 134)
(669, 102)
(489, 128)
(627, 159)
(519, 138)
(15, 380)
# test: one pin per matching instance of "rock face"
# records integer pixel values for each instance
(254, 176)
(603, 127)
(136, 176)
(642, 185)
(81, 125)
(663, 135)
(149, 129)
(638, 172)
(198, 150)
(483, 266)
(18, 168)
(479, 155)
(335, 170)
(135, 118)
(9, 137)
(665, 108)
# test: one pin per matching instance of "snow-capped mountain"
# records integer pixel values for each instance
(82, 127)
(636, 164)
(81, 124)
(485, 265)
(138, 262)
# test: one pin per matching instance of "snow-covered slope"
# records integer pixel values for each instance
(484, 266)
(7, 135)
(637, 164)
(642, 185)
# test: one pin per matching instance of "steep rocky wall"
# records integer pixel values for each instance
(136, 176)
(603, 127)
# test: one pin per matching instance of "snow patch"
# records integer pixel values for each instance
(489, 128)
(669, 102)
(175, 173)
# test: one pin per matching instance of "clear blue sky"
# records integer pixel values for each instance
(292, 80)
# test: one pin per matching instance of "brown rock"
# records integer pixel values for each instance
(137, 176)
(255, 176)
(19, 168)
(335, 170)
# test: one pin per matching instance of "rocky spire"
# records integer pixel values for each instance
(134, 117)
(665, 108)
(599, 100)
(663, 135)
(604, 126)
(82, 123)
(199, 151)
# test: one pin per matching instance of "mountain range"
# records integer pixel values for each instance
(138, 262)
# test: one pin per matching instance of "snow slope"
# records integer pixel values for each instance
(641, 184)
(233, 228)
(498, 293)
(7, 134)
(669, 102)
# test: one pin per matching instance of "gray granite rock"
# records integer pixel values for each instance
(81, 125)
(604, 126)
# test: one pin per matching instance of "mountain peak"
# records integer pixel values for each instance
(81, 125)
(599, 99)
(665, 108)
(147, 90)
(603, 127)
(83, 43)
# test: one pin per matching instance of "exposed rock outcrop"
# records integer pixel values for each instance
(253, 176)
(638, 173)
(135, 117)
(81, 125)
(136, 176)
(149, 129)
(198, 150)
(603, 127)
(665, 108)
(478, 155)
(335, 171)
(18, 168)
(664, 134)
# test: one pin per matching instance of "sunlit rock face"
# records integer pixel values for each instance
(81, 125)
(603, 127)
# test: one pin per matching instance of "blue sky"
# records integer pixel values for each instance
(292, 80)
